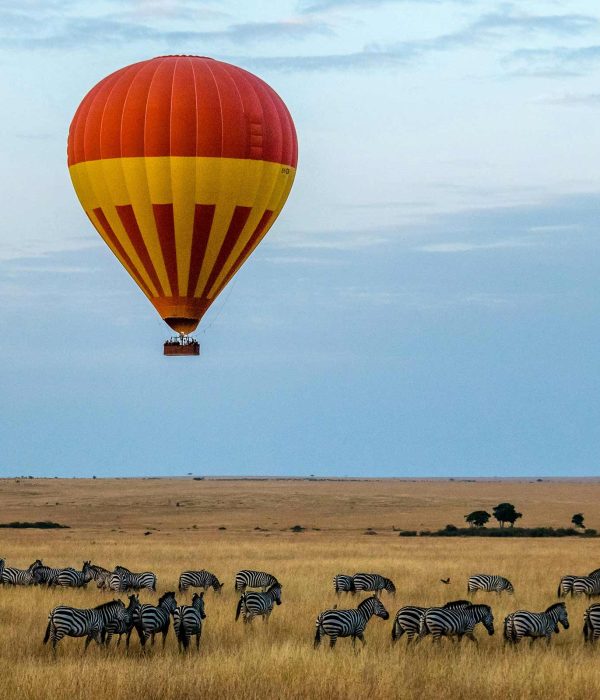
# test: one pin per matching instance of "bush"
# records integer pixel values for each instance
(407, 533)
(40, 525)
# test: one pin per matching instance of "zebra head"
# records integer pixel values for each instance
(558, 613)
(509, 588)
(168, 601)
(198, 603)
(134, 602)
(484, 615)
(87, 571)
(217, 587)
(373, 606)
(275, 591)
(389, 586)
(36, 564)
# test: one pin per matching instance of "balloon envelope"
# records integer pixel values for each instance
(182, 164)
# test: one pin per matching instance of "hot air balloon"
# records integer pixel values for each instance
(182, 164)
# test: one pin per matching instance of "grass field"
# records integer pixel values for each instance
(108, 520)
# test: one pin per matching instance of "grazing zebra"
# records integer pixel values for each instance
(408, 618)
(441, 622)
(20, 577)
(566, 585)
(348, 623)
(100, 575)
(343, 583)
(65, 621)
(123, 580)
(246, 578)
(591, 623)
(199, 579)
(535, 625)
(253, 603)
(373, 582)
(588, 585)
(187, 621)
(595, 572)
(149, 620)
(489, 582)
(122, 623)
(71, 578)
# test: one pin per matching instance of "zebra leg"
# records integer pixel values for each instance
(472, 637)
(361, 636)
(165, 632)
(152, 639)
(198, 640)
(88, 639)
(332, 641)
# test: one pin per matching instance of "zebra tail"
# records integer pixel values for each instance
(510, 634)
(318, 633)
(48, 628)
(182, 637)
(423, 627)
(239, 607)
(559, 593)
(586, 628)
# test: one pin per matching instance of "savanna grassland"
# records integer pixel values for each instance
(108, 520)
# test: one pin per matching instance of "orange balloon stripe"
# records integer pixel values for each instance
(203, 221)
(165, 225)
(127, 216)
(114, 243)
(236, 226)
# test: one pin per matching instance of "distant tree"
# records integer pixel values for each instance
(478, 518)
(506, 513)
(577, 520)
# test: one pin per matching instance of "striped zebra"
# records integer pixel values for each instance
(408, 618)
(187, 621)
(46, 575)
(1, 568)
(591, 623)
(565, 586)
(373, 582)
(123, 580)
(20, 577)
(441, 622)
(595, 572)
(348, 623)
(65, 621)
(588, 585)
(100, 575)
(71, 578)
(253, 603)
(342, 583)
(122, 623)
(150, 619)
(199, 579)
(247, 578)
(489, 582)
(535, 625)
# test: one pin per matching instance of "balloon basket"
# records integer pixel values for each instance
(181, 345)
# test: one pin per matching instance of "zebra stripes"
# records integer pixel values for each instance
(123, 580)
(199, 579)
(1, 569)
(591, 623)
(149, 620)
(535, 625)
(20, 577)
(46, 575)
(122, 622)
(441, 622)
(373, 582)
(71, 578)
(247, 578)
(348, 623)
(588, 585)
(489, 582)
(187, 621)
(253, 603)
(565, 585)
(408, 618)
(100, 575)
(65, 621)
(342, 583)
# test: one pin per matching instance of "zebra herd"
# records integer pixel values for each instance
(454, 619)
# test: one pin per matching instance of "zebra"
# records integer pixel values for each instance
(122, 623)
(46, 575)
(594, 573)
(589, 585)
(591, 623)
(441, 622)
(149, 620)
(408, 617)
(535, 625)
(199, 579)
(489, 582)
(348, 623)
(247, 578)
(100, 575)
(122, 580)
(65, 621)
(373, 582)
(20, 577)
(253, 603)
(342, 583)
(71, 578)
(1, 568)
(565, 585)
(187, 621)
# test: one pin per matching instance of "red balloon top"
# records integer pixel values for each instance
(182, 106)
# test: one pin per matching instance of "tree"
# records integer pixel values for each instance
(478, 518)
(577, 520)
(506, 513)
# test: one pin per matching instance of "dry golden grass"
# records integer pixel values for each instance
(277, 660)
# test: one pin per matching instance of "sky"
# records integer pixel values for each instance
(428, 302)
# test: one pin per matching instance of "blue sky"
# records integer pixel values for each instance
(426, 305)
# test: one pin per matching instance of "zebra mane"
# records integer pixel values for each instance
(104, 606)
(555, 606)
(481, 606)
(170, 594)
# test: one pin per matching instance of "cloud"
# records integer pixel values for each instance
(468, 247)
(325, 5)
(559, 61)
(572, 100)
